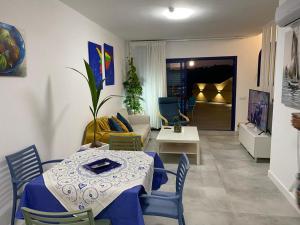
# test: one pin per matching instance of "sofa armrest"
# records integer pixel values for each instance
(139, 119)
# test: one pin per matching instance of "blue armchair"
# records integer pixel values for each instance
(168, 204)
(23, 167)
(191, 103)
(169, 111)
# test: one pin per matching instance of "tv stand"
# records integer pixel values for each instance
(256, 142)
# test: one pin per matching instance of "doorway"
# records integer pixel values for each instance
(206, 88)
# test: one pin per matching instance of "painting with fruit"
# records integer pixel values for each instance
(12, 51)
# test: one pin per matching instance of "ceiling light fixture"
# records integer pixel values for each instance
(177, 13)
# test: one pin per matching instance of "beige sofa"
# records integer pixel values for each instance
(140, 125)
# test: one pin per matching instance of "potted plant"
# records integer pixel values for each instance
(95, 95)
(177, 125)
(133, 90)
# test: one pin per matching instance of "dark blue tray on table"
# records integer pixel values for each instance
(101, 166)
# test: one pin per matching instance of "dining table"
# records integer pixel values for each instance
(125, 209)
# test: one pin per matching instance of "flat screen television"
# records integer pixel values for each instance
(258, 109)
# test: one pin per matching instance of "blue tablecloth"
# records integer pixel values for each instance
(124, 210)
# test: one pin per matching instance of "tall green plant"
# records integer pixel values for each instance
(95, 94)
(133, 89)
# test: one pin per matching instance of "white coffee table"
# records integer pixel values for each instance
(187, 141)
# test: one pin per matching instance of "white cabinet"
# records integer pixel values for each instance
(258, 145)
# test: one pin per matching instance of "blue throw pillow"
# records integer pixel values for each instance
(114, 126)
(125, 122)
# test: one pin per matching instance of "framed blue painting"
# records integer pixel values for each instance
(95, 61)
(109, 65)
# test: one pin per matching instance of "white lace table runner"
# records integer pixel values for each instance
(78, 188)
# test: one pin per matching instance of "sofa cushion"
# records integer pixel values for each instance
(124, 113)
(103, 123)
(122, 125)
(114, 126)
(142, 130)
(125, 122)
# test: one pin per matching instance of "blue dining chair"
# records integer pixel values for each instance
(168, 204)
(169, 112)
(23, 167)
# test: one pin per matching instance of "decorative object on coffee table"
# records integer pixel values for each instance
(95, 94)
(177, 125)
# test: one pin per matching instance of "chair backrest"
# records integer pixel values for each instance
(128, 143)
(24, 165)
(183, 167)
(169, 107)
(34, 217)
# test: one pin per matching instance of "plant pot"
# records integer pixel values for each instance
(177, 128)
(96, 144)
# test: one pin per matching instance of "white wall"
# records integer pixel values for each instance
(283, 165)
(49, 107)
(246, 50)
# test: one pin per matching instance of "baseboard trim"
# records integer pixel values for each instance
(289, 195)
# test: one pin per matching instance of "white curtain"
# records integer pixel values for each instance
(149, 57)
(268, 57)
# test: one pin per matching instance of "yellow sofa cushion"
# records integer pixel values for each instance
(103, 123)
(122, 125)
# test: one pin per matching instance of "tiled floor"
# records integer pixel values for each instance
(228, 188)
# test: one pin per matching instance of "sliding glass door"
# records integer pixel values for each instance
(211, 82)
(176, 81)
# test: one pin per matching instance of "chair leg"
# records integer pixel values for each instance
(181, 220)
(13, 211)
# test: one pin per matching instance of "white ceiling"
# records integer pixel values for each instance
(143, 19)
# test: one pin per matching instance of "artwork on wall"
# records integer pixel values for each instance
(291, 73)
(95, 61)
(109, 65)
(12, 52)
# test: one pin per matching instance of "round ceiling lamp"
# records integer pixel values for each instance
(178, 13)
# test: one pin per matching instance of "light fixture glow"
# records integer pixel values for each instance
(191, 63)
(178, 13)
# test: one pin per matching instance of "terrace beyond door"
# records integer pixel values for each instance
(209, 83)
